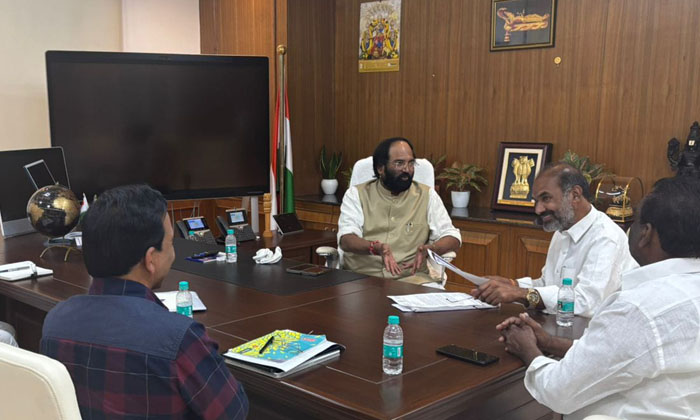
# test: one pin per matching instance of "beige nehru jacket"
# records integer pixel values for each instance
(400, 221)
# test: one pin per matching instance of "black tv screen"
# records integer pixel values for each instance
(191, 126)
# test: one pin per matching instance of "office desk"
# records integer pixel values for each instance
(353, 314)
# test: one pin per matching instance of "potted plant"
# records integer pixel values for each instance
(329, 171)
(462, 178)
(589, 169)
(438, 165)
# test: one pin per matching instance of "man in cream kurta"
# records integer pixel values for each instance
(386, 225)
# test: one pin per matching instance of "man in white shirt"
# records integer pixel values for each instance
(640, 356)
(7, 334)
(587, 246)
(387, 225)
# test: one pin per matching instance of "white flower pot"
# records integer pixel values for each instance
(329, 186)
(460, 198)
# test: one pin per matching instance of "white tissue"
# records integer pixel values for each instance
(266, 256)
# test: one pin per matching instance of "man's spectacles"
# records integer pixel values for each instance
(401, 164)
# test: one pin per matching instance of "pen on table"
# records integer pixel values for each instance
(267, 343)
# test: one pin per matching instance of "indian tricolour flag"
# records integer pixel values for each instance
(281, 147)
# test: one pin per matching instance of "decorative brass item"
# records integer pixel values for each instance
(522, 168)
(618, 196)
(517, 24)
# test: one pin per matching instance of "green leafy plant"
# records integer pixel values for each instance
(589, 169)
(347, 176)
(438, 163)
(330, 164)
(463, 177)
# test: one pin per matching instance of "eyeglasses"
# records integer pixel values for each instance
(401, 164)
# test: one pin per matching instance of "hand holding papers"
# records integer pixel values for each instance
(471, 277)
(433, 302)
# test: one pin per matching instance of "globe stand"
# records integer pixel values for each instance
(67, 245)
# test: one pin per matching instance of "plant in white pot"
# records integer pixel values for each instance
(461, 179)
(329, 170)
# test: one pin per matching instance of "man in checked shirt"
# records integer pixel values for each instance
(127, 355)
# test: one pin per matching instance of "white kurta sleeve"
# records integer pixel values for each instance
(351, 217)
(617, 352)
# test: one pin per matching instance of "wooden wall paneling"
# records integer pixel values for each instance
(311, 45)
(481, 249)
(529, 252)
(650, 88)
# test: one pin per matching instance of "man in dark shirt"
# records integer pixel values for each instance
(128, 356)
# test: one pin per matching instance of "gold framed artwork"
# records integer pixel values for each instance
(518, 165)
(518, 24)
(380, 30)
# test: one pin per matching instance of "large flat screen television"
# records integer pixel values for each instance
(191, 126)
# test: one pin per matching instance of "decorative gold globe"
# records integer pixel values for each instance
(53, 210)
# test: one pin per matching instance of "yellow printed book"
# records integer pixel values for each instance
(283, 352)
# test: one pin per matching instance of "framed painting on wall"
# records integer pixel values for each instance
(518, 165)
(517, 24)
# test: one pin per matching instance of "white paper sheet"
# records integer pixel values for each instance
(168, 299)
(429, 302)
(471, 277)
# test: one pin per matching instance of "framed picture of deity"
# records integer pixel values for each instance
(517, 24)
(518, 165)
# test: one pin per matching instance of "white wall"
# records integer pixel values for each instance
(167, 26)
(28, 28)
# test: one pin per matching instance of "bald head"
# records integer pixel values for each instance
(567, 177)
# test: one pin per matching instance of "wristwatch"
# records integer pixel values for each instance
(533, 298)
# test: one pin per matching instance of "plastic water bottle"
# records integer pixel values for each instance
(231, 248)
(183, 300)
(565, 303)
(392, 360)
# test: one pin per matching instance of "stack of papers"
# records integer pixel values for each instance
(282, 352)
(432, 302)
(168, 299)
(22, 270)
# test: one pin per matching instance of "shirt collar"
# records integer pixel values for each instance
(635, 277)
(579, 228)
(122, 287)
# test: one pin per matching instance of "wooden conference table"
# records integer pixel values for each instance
(353, 313)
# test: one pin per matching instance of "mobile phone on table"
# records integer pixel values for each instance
(467, 355)
(308, 270)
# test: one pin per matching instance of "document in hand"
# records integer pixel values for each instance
(433, 302)
(283, 352)
(471, 277)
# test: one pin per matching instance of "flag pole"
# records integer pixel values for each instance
(282, 114)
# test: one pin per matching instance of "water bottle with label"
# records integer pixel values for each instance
(392, 359)
(565, 303)
(231, 248)
(183, 300)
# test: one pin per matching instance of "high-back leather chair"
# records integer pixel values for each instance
(33, 386)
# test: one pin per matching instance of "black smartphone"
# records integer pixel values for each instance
(308, 270)
(468, 355)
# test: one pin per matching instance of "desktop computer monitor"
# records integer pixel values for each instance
(16, 187)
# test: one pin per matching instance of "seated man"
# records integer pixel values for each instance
(128, 356)
(387, 225)
(7, 334)
(586, 245)
(639, 357)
